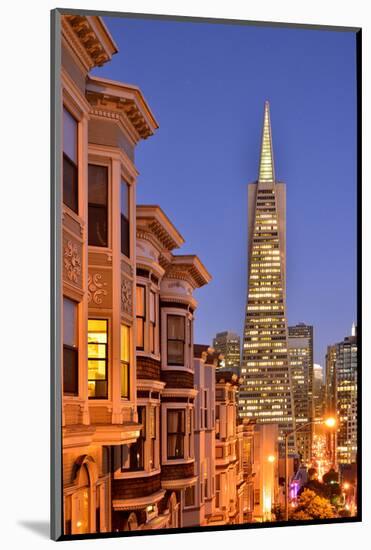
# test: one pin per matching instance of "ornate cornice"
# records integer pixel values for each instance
(125, 101)
(90, 39)
(152, 220)
(188, 268)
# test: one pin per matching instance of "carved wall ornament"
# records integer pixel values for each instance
(96, 290)
(126, 296)
(72, 261)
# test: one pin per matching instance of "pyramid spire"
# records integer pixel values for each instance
(266, 169)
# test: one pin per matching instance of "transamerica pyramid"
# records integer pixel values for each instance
(266, 393)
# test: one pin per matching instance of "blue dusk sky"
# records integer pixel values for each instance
(206, 85)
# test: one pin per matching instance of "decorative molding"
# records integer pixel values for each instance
(90, 45)
(126, 296)
(72, 261)
(96, 290)
(119, 109)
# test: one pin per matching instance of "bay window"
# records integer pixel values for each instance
(125, 218)
(70, 161)
(125, 362)
(98, 205)
(140, 315)
(175, 433)
(97, 358)
(70, 348)
(175, 339)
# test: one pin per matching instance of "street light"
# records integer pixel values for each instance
(329, 422)
(271, 458)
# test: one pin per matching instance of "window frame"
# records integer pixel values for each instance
(106, 344)
(152, 324)
(74, 349)
(125, 363)
(183, 341)
(107, 206)
(182, 433)
(123, 183)
(71, 162)
(142, 317)
(192, 488)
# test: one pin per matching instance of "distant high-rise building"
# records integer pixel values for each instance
(346, 399)
(318, 392)
(301, 366)
(330, 381)
(229, 345)
(266, 392)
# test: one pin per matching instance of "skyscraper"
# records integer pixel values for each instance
(346, 399)
(266, 392)
(301, 366)
(229, 344)
(318, 392)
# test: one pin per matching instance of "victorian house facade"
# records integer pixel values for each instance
(102, 123)
(154, 479)
(230, 485)
(127, 311)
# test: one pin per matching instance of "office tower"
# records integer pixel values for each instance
(301, 366)
(266, 392)
(229, 345)
(318, 392)
(346, 399)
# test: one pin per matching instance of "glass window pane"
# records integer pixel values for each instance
(98, 184)
(97, 330)
(70, 371)
(97, 351)
(96, 369)
(190, 496)
(125, 343)
(97, 389)
(175, 327)
(98, 198)
(97, 226)
(69, 322)
(175, 352)
(70, 184)
(140, 301)
(125, 380)
(152, 307)
(125, 199)
(125, 236)
(140, 332)
(152, 338)
(70, 135)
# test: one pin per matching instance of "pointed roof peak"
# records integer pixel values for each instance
(266, 167)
